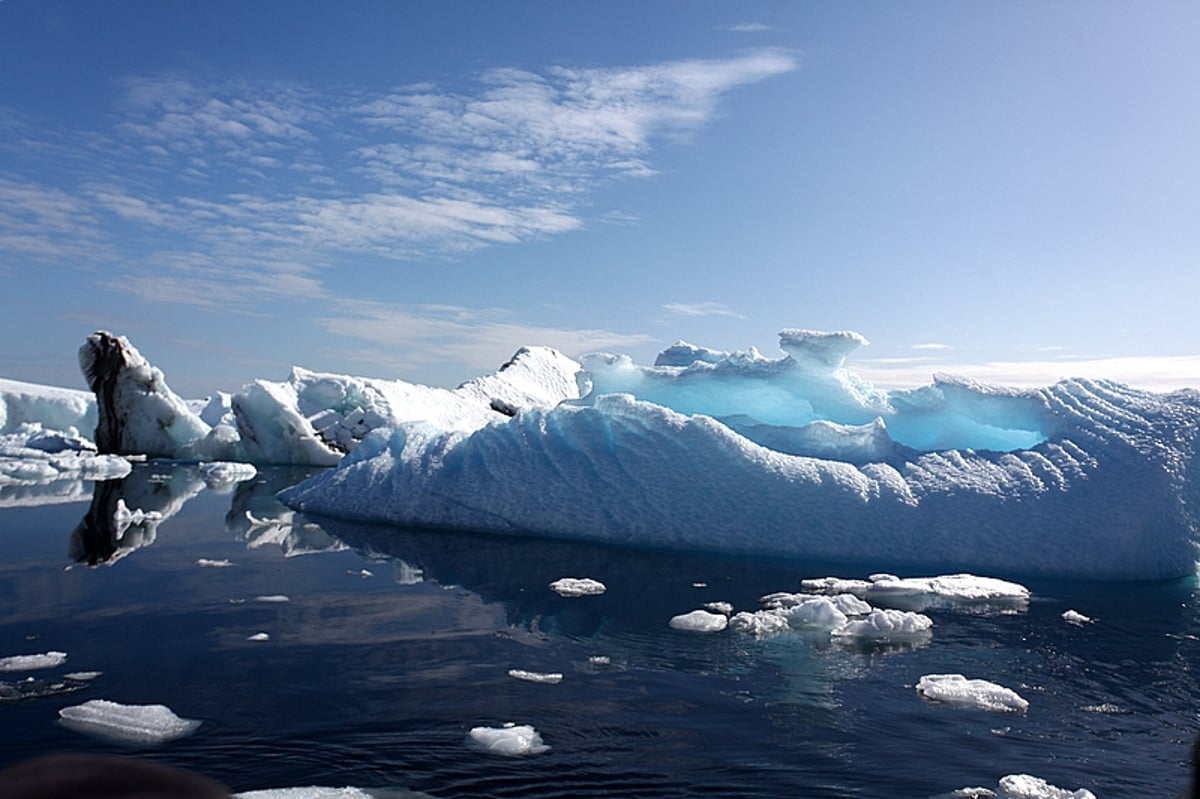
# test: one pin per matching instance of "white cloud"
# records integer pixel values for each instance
(701, 309)
(750, 27)
(932, 346)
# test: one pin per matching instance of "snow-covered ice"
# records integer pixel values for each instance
(886, 625)
(919, 593)
(706, 450)
(1024, 786)
(955, 689)
(43, 660)
(146, 724)
(511, 740)
(1076, 618)
(577, 586)
(700, 621)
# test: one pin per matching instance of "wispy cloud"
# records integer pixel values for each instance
(932, 346)
(750, 27)
(701, 309)
(303, 173)
(1154, 372)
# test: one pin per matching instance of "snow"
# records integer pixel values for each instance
(703, 450)
(45, 660)
(511, 740)
(955, 689)
(146, 724)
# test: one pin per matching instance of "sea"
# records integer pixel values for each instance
(316, 652)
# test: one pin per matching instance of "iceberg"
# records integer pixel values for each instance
(709, 451)
(955, 689)
(511, 740)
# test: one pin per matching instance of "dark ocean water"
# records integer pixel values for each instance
(393, 644)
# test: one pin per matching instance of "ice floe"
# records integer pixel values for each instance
(511, 740)
(145, 724)
(578, 586)
(44, 660)
(700, 621)
(1076, 618)
(955, 689)
(1024, 786)
(548, 678)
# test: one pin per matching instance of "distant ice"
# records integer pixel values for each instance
(207, 563)
(273, 598)
(45, 660)
(310, 792)
(955, 689)
(1076, 618)
(511, 740)
(83, 676)
(146, 724)
(919, 593)
(578, 586)
(259, 637)
(551, 678)
(700, 621)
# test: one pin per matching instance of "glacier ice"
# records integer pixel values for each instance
(704, 449)
(145, 724)
(955, 689)
(1084, 478)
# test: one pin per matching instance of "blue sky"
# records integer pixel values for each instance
(1009, 190)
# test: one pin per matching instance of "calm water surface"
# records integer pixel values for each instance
(393, 644)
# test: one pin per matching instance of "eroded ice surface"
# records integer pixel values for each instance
(511, 740)
(145, 724)
(955, 689)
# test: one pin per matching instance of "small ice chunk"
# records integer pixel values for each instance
(552, 678)
(836, 585)
(259, 637)
(578, 586)
(511, 740)
(207, 563)
(761, 624)
(217, 472)
(1023, 786)
(887, 626)
(273, 598)
(83, 676)
(955, 689)
(1076, 618)
(818, 613)
(719, 607)
(46, 660)
(599, 660)
(363, 573)
(150, 724)
(700, 621)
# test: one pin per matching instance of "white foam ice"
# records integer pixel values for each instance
(144, 724)
(578, 586)
(510, 740)
(955, 689)
(44, 660)
(700, 621)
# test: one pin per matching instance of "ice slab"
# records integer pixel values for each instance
(955, 689)
(44, 660)
(511, 740)
(144, 724)
(700, 621)
(578, 586)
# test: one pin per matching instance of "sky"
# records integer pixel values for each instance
(1004, 190)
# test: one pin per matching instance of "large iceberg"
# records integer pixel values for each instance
(704, 449)
(797, 456)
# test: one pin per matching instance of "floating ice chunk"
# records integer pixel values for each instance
(578, 586)
(719, 607)
(273, 598)
(818, 613)
(700, 621)
(955, 689)
(532, 676)
(46, 660)
(761, 624)
(149, 724)
(599, 660)
(206, 563)
(511, 740)
(221, 472)
(918, 593)
(1076, 618)
(83, 676)
(259, 637)
(312, 792)
(887, 626)
(1023, 786)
